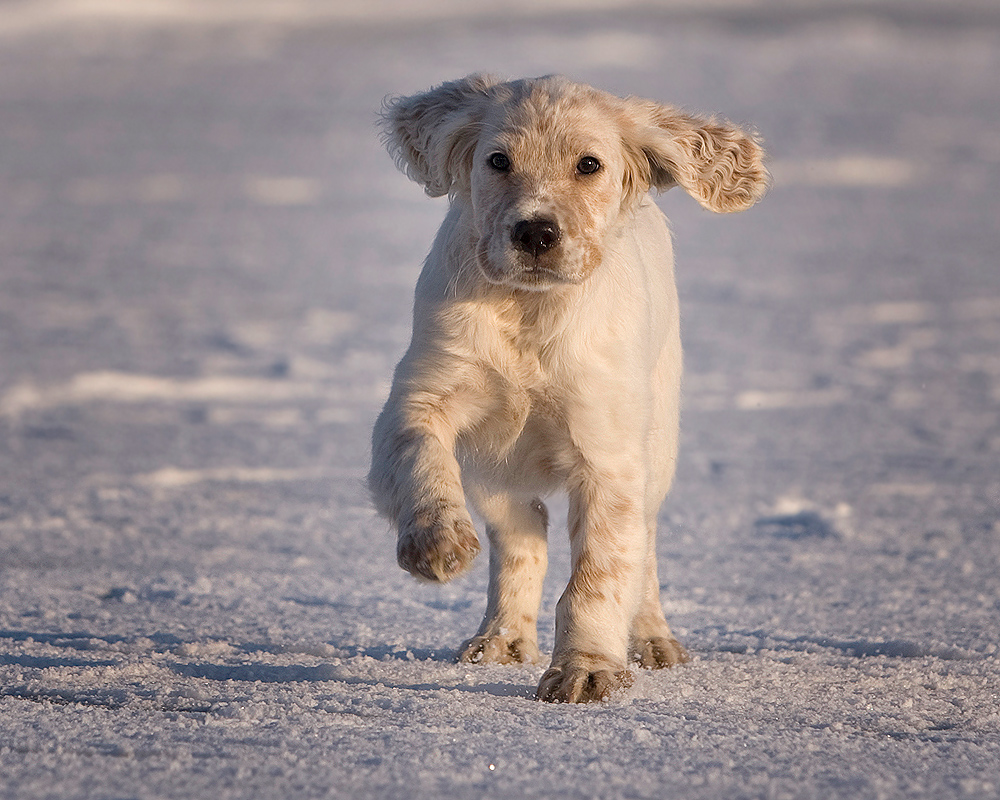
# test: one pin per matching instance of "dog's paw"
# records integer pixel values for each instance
(659, 652)
(439, 545)
(500, 648)
(582, 680)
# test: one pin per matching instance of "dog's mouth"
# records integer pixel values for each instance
(525, 273)
(540, 280)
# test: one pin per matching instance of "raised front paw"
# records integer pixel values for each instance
(582, 679)
(437, 545)
(659, 652)
(499, 648)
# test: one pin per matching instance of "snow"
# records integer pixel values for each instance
(206, 264)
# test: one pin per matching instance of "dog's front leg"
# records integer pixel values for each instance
(415, 481)
(608, 542)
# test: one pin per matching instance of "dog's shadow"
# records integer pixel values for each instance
(349, 674)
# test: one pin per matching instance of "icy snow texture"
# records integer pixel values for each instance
(206, 264)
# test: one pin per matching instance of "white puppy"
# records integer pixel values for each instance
(546, 355)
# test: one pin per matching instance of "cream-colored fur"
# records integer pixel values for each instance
(546, 356)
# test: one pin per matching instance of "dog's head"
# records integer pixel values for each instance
(550, 167)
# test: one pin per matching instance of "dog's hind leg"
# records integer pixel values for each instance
(517, 530)
(652, 643)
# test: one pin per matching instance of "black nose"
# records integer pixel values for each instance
(535, 236)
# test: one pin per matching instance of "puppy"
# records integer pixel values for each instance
(546, 356)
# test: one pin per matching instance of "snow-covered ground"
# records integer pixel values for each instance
(206, 264)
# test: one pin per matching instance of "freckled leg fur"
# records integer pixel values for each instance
(517, 532)
(608, 542)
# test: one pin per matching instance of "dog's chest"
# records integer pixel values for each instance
(526, 346)
(528, 379)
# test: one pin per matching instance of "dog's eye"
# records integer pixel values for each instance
(500, 162)
(588, 165)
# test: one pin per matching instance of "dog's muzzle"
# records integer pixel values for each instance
(534, 257)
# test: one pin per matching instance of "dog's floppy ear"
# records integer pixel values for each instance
(717, 163)
(432, 135)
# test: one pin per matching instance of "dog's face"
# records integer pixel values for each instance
(549, 167)
(546, 186)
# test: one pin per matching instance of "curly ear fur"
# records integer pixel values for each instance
(718, 164)
(432, 135)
